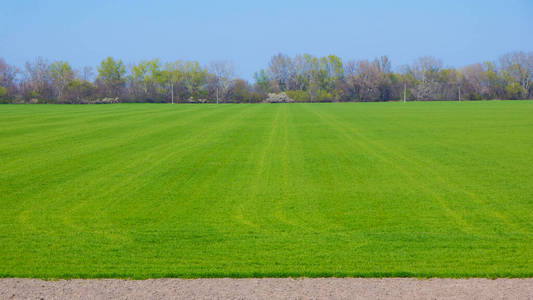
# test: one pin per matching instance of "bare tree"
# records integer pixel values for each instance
(37, 78)
(474, 81)
(8, 75)
(369, 79)
(281, 68)
(425, 70)
(87, 73)
(223, 74)
(383, 64)
(518, 66)
(350, 78)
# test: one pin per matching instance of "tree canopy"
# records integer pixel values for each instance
(303, 77)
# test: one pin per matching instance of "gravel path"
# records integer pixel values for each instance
(268, 288)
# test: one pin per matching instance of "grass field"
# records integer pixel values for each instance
(343, 189)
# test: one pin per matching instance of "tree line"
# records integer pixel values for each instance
(304, 78)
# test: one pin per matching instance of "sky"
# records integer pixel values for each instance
(249, 33)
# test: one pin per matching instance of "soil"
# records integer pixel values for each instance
(268, 288)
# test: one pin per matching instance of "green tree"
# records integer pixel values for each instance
(194, 77)
(335, 74)
(61, 73)
(3, 93)
(173, 75)
(514, 91)
(79, 90)
(262, 80)
(148, 74)
(139, 74)
(495, 84)
(111, 72)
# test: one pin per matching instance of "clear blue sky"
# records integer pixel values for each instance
(250, 32)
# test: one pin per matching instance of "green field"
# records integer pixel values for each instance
(342, 189)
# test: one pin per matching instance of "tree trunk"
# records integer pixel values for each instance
(404, 92)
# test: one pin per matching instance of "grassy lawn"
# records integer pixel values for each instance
(341, 189)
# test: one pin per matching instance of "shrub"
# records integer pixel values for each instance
(298, 96)
(108, 101)
(515, 91)
(323, 95)
(3, 92)
(278, 98)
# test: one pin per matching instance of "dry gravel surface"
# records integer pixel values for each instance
(268, 288)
